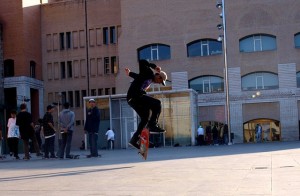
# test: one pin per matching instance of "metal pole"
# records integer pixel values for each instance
(227, 106)
(87, 49)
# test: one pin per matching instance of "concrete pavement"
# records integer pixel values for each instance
(239, 169)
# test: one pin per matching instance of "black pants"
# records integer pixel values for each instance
(143, 106)
(13, 144)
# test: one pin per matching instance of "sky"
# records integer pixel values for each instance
(27, 3)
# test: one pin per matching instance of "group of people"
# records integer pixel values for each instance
(21, 126)
(148, 108)
(212, 136)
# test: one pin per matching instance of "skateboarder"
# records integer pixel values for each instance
(137, 98)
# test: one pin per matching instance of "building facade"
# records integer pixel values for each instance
(262, 53)
(81, 48)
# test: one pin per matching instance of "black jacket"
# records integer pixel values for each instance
(142, 80)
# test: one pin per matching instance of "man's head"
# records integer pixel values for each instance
(160, 78)
(92, 102)
(66, 105)
(23, 106)
(50, 108)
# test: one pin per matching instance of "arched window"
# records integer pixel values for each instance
(258, 42)
(154, 52)
(207, 84)
(204, 47)
(32, 69)
(260, 80)
(297, 40)
(9, 70)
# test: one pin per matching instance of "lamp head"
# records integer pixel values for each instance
(220, 26)
(219, 5)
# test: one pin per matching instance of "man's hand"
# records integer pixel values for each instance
(127, 71)
(157, 68)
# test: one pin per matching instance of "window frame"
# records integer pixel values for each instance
(154, 52)
(204, 47)
(257, 43)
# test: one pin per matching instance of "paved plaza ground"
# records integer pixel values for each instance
(239, 169)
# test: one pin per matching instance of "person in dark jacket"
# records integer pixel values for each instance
(144, 105)
(49, 133)
(26, 127)
(91, 127)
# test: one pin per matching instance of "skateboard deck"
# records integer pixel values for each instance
(144, 143)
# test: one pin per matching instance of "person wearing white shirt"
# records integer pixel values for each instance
(13, 135)
(110, 139)
(200, 138)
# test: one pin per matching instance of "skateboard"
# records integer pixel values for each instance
(144, 143)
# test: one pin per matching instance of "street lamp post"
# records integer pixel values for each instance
(221, 5)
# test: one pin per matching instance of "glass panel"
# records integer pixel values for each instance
(298, 80)
(270, 131)
(164, 52)
(194, 49)
(297, 40)
(204, 48)
(215, 47)
(257, 43)
(260, 81)
(247, 45)
(268, 43)
(206, 86)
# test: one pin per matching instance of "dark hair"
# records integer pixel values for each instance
(66, 105)
(13, 112)
(23, 106)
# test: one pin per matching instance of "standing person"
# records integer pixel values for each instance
(215, 135)
(49, 133)
(66, 122)
(137, 98)
(258, 131)
(26, 127)
(200, 133)
(91, 127)
(110, 138)
(225, 132)
(38, 129)
(13, 135)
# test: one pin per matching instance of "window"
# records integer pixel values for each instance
(77, 99)
(63, 97)
(154, 52)
(93, 92)
(83, 94)
(107, 91)
(113, 36)
(106, 65)
(113, 90)
(100, 91)
(62, 70)
(297, 40)
(70, 95)
(114, 65)
(105, 35)
(32, 69)
(205, 47)
(69, 69)
(62, 41)
(68, 34)
(207, 84)
(259, 81)
(9, 70)
(258, 42)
